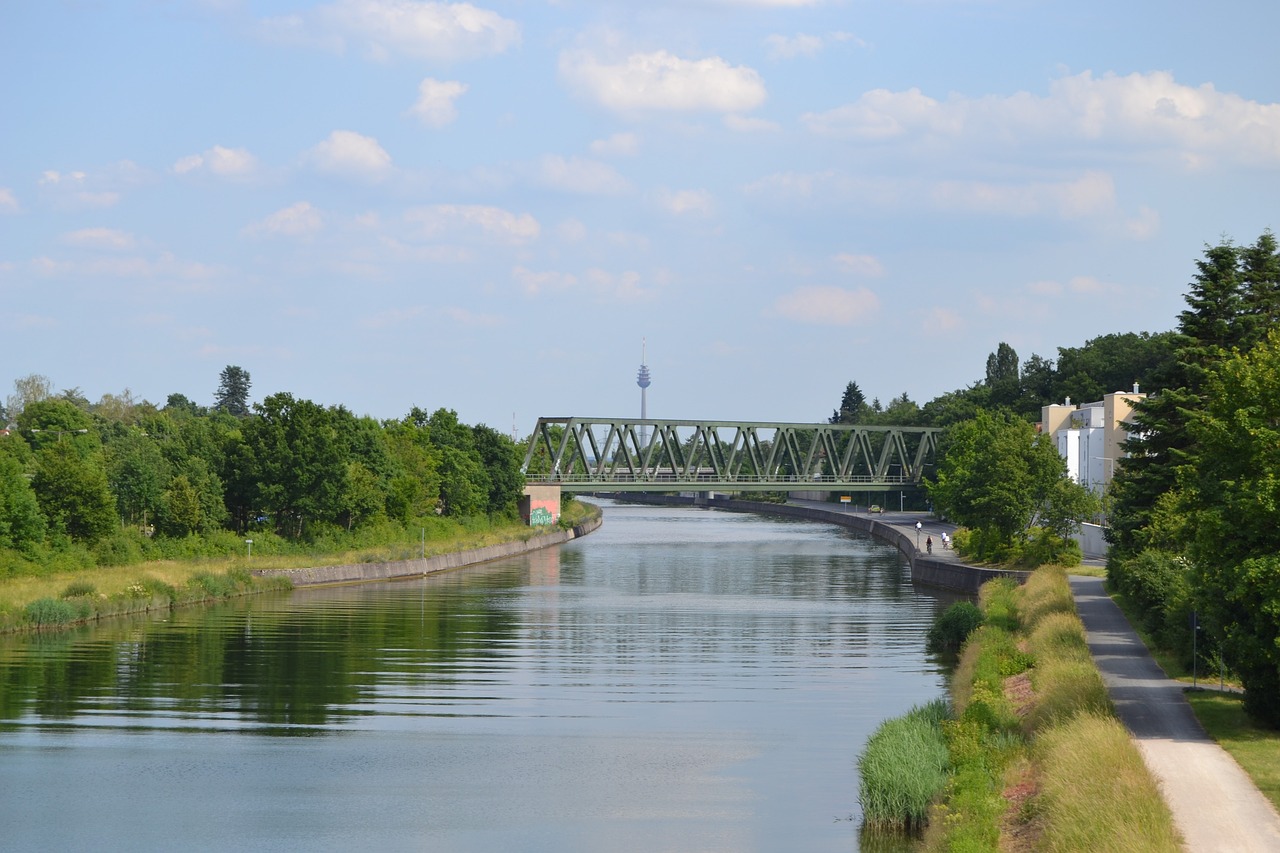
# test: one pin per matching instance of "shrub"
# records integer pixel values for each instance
(1046, 548)
(953, 626)
(45, 612)
(208, 585)
(76, 589)
(121, 548)
(904, 767)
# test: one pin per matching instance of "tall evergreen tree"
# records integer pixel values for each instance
(853, 406)
(1208, 328)
(1260, 271)
(232, 395)
(1002, 375)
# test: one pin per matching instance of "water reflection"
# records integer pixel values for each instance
(704, 679)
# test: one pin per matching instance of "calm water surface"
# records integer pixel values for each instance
(680, 680)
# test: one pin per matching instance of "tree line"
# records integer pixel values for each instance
(1193, 511)
(116, 477)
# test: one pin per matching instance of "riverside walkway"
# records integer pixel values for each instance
(1215, 805)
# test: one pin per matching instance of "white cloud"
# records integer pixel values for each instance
(747, 124)
(862, 265)
(620, 144)
(781, 4)
(789, 47)
(71, 190)
(681, 202)
(51, 177)
(1145, 111)
(392, 317)
(1045, 288)
(572, 231)
(126, 267)
(534, 283)
(443, 32)
(1092, 194)
(632, 241)
(8, 201)
(1087, 284)
(1143, 226)
(435, 105)
(296, 220)
(943, 320)
(661, 81)
(579, 175)
(624, 286)
(492, 221)
(351, 154)
(100, 238)
(223, 162)
(791, 184)
(828, 306)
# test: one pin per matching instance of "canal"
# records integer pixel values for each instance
(680, 680)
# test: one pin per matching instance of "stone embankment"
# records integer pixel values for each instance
(363, 572)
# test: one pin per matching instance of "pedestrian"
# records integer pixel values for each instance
(928, 544)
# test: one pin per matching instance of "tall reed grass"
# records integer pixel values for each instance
(903, 768)
(1096, 793)
(1045, 592)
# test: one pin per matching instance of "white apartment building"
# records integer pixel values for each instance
(1091, 437)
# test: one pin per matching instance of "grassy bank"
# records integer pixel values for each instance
(1030, 719)
(53, 597)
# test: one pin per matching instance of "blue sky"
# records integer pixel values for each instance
(488, 206)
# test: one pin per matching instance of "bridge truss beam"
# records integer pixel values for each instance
(611, 454)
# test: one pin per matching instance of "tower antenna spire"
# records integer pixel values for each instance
(643, 380)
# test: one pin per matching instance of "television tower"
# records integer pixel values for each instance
(642, 379)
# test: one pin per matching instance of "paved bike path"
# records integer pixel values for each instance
(1215, 804)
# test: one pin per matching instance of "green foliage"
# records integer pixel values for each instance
(853, 407)
(1120, 807)
(997, 477)
(232, 395)
(904, 767)
(1046, 548)
(1234, 494)
(1045, 592)
(119, 548)
(73, 493)
(76, 589)
(953, 626)
(52, 612)
(22, 524)
(1157, 586)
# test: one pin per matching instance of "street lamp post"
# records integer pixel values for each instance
(918, 526)
(60, 432)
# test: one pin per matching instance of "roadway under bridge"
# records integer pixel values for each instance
(625, 455)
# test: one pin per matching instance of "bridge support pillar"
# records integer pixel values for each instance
(540, 505)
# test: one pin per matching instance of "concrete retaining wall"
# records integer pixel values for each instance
(361, 572)
(925, 570)
(1092, 541)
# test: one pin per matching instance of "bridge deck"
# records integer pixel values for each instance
(600, 454)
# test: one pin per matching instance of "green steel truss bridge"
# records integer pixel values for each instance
(623, 455)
